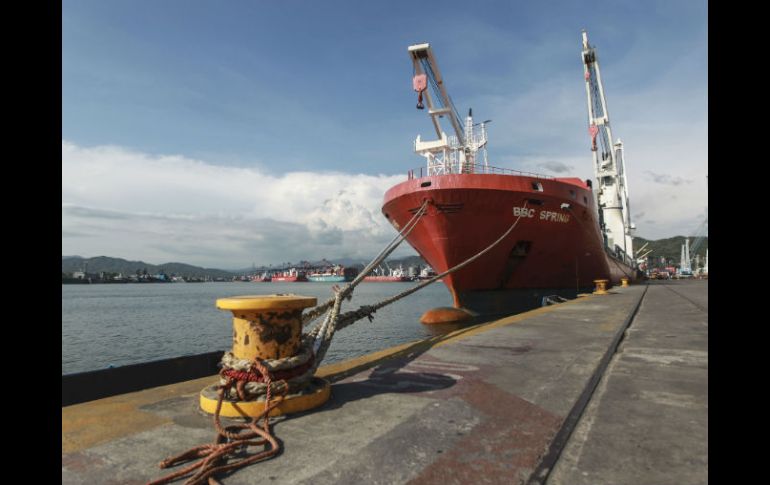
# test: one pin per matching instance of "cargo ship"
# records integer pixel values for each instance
(336, 274)
(397, 275)
(263, 278)
(290, 276)
(566, 236)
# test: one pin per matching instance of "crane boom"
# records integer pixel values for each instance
(448, 154)
(609, 163)
(424, 62)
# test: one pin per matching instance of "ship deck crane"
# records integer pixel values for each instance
(447, 154)
(609, 163)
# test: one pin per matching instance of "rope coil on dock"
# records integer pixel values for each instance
(230, 440)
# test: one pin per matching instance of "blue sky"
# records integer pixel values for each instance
(281, 88)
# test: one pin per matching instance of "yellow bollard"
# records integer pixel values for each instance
(623, 282)
(266, 327)
(601, 287)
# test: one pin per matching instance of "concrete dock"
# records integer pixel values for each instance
(602, 389)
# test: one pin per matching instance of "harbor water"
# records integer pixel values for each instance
(107, 325)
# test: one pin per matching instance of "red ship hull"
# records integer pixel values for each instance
(289, 279)
(554, 249)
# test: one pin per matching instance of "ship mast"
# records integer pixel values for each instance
(447, 154)
(609, 162)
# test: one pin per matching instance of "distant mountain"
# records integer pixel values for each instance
(670, 248)
(407, 262)
(98, 264)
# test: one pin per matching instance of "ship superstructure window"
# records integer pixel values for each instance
(585, 199)
(425, 184)
(572, 194)
(537, 186)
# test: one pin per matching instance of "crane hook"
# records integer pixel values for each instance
(420, 83)
(593, 130)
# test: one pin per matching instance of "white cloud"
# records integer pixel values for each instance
(123, 203)
(557, 167)
(663, 124)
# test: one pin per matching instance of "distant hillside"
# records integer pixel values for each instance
(407, 261)
(98, 264)
(671, 248)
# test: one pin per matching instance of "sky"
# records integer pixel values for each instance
(226, 134)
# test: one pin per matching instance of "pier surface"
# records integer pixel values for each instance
(602, 389)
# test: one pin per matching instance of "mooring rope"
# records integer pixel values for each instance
(255, 378)
(334, 321)
(230, 440)
(389, 248)
(318, 340)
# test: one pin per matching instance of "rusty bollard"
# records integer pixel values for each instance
(266, 327)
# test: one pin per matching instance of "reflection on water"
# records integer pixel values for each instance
(120, 324)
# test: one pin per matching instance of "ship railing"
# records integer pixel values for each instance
(456, 167)
(618, 253)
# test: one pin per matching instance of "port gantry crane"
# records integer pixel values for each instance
(448, 154)
(609, 164)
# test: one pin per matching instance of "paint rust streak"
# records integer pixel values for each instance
(278, 333)
(79, 461)
(87, 424)
(504, 448)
